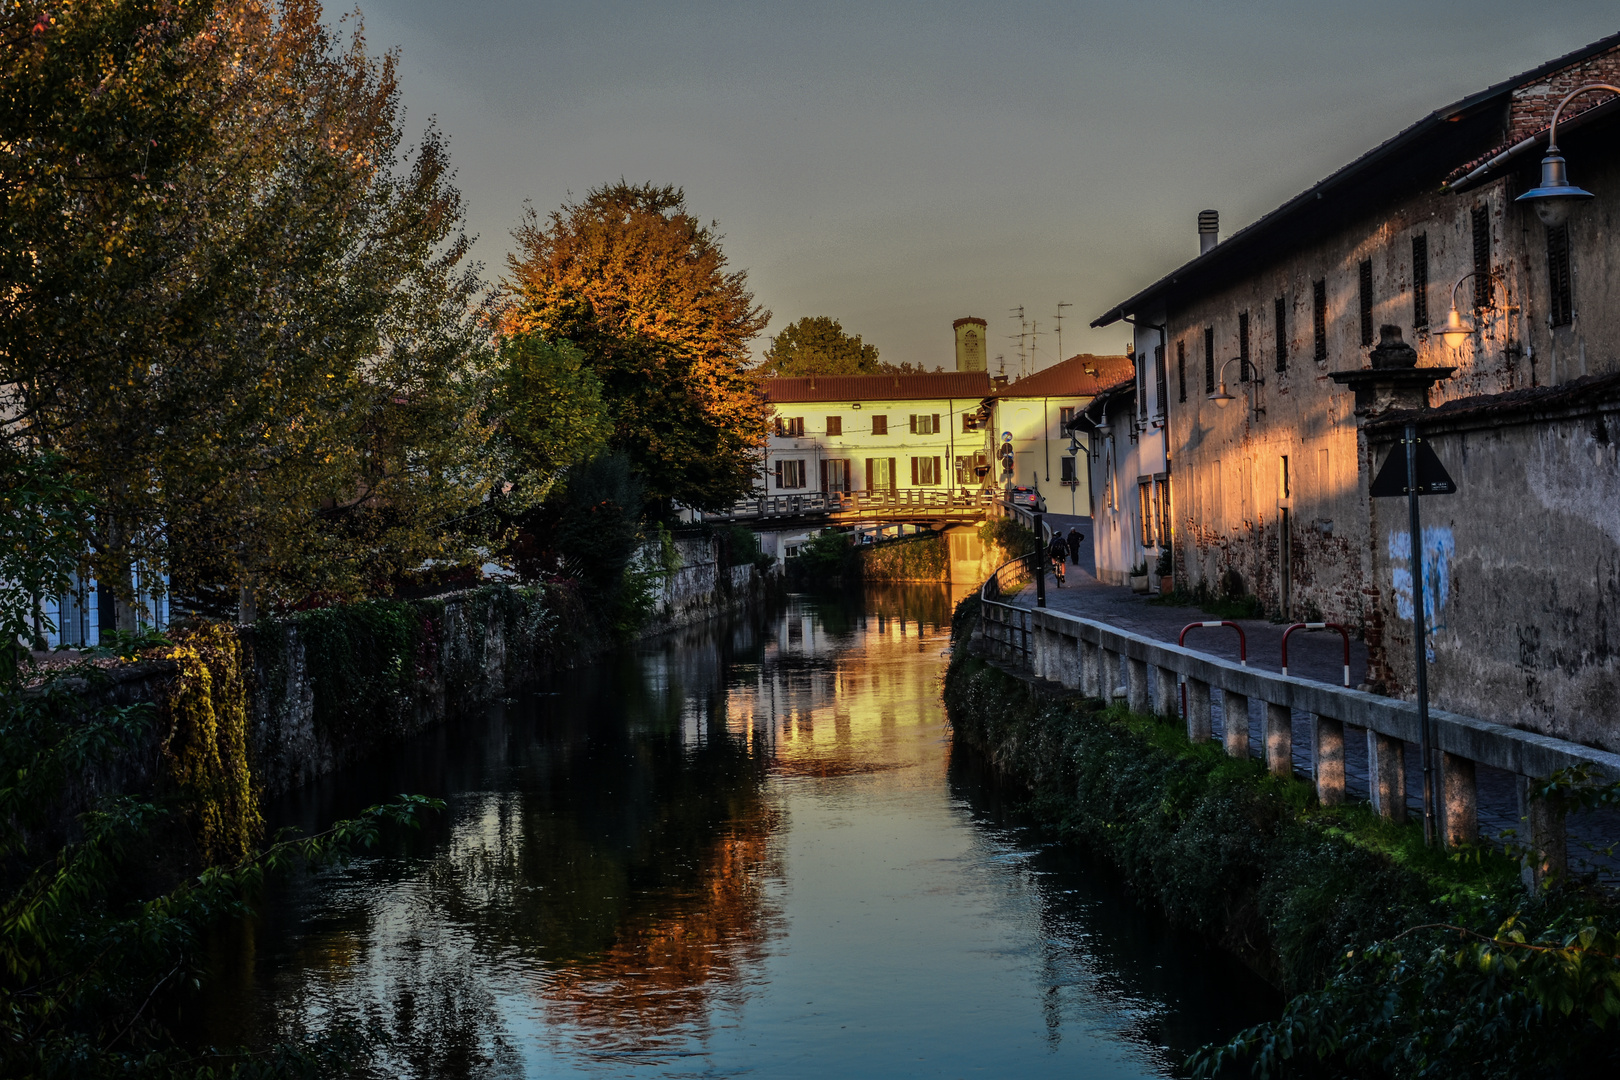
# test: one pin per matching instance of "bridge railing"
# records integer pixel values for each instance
(1005, 627)
(907, 501)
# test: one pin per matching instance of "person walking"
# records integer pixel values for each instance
(1074, 539)
(1057, 551)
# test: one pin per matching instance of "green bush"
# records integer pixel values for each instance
(1010, 536)
(827, 558)
(924, 557)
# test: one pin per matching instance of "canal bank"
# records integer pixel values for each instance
(748, 846)
(1397, 950)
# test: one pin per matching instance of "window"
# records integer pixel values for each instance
(1209, 359)
(1420, 279)
(880, 474)
(1279, 311)
(1482, 256)
(835, 425)
(1366, 302)
(790, 473)
(1144, 503)
(1560, 288)
(1319, 317)
(970, 422)
(1161, 399)
(926, 424)
(835, 475)
(790, 427)
(1141, 386)
(1181, 368)
(1068, 470)
(968, 466)
(880, 424)
(1161, 492)
(1243, 347)
(1065, 417)
(925, 470)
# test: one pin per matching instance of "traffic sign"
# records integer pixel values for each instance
(1432, 478)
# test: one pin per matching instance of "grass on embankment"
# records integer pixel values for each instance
(1307, 892)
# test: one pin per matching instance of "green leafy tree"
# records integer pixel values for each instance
(233, 303)
(817, 345)
(552, 414)
(630, 278)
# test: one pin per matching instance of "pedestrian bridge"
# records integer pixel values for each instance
(911, 506)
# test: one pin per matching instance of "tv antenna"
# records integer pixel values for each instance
(1058, 318)
(1023, 335)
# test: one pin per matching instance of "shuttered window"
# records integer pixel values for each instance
(1243, 347)
(835, 425)
(1319, 318)
(1161, 392)
(880, 424)
(789, 473)
(1420, 280)
(925, 424)
(1482, 256)
(1560, 287)
(1209, 359)
(1279, 311)
(924, 470)
(1366, 302)
(1181, 368)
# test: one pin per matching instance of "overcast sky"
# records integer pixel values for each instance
(896, 166)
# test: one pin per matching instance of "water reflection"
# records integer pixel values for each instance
(741, 849)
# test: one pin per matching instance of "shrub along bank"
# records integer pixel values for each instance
(1405, 961)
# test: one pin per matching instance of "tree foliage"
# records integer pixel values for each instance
(630, 278)
(817, 345)
(234, 304)
(553, 414)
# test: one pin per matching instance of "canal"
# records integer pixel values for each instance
(746, 849)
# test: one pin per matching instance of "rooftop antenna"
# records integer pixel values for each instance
(1001, 362)
(1034, 336)
(1023, 334)
(1058, 318)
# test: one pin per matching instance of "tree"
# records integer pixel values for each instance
(231, 303)
(817, 345)
(632, 280)
(552, 411)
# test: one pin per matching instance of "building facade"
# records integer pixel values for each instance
(1290, 348)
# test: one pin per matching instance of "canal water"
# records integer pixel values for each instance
(749, 849)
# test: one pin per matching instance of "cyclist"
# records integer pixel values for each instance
(1058, 553)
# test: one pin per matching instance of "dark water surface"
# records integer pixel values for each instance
(746, 850)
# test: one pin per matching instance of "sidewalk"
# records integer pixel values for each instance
(1317, 656)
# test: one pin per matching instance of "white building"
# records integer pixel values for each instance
(1031, 417)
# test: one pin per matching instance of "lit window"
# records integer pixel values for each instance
(790, 473)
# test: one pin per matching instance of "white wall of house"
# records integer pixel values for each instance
(1041, 449)
(872, 445)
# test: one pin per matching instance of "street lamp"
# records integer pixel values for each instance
(1221, 398)
(1458, 327)
(1556, 196)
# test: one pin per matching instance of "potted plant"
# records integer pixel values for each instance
(1139, 577)
(1167, 581)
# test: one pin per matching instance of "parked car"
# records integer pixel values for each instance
(1024, 496)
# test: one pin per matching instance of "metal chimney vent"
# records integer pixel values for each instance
(1209, 227)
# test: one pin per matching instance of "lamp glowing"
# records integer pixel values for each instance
(1457, 328)
(1222, 398)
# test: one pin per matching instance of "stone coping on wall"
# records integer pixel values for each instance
(1511, 749)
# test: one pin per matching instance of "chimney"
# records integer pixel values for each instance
(1209, 227)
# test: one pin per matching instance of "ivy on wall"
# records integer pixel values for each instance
(924, 557)
(207, 744)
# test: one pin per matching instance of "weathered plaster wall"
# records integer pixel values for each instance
(1522, 577)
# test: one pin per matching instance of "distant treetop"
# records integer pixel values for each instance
(817, 345)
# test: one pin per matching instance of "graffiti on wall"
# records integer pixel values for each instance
(1438, 549)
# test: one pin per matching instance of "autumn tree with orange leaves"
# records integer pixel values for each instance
(641, 288)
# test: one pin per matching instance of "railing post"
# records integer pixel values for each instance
(1136, 685)
(1386, 775)
(1110, 674)
(1459, 800)
(1327, 760)
(1165, 690)
(1069, 662)
(1235, 707)
(1091, 670)
(1279, 740)
(1198, 720)
(1547, 855)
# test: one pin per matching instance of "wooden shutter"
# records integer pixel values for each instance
(894, 477)
(936, 423)
(868, 474)
(914, 423)
(913, 472)
(939, 477)
(823, 476)
(779, 475)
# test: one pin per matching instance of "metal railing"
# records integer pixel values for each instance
(1005, 625)
(908, 501)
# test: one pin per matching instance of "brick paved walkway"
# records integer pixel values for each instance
(1316, 656)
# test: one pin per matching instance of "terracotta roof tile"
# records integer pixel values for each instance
(1078, 376)
(936, 385)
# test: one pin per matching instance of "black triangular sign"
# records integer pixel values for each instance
(1432, 478)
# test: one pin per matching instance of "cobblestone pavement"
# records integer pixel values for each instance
(1319, 656)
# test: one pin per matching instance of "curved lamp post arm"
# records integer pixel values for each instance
(1552, 132)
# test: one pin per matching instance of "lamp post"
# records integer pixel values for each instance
(1221, 398)
(1556, 196)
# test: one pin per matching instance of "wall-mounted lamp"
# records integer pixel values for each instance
(1458, 326)
(1556, 196)
(1221, 398)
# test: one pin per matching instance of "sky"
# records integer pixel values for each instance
(899, 165)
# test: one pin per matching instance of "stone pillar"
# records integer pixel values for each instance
(1198, 725)
(1090, 665)
(1110, 674)
(1166, 690)
(1327, 761)
(1136, 685)
(1459, 801)
(1546, 842)
(1235, 707)
(1279, 740)
(1386, 775)
(1069, 662)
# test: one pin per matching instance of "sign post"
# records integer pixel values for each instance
(1412, 469)
(1040, 565)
